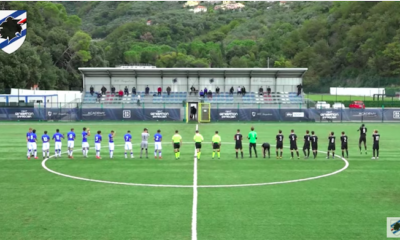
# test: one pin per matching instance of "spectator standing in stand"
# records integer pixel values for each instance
(192, 90)
(209, 94)
(243, 90)
(205, 91)
(98, 97)
(147, 90)
(120, 94)
(138, 100)
(201, 93)
(268, 90)
(134, 91)
(217, 90)
(168, 90)
(103, 90)
(261, 91)
(91, 90)
(231, 91)
(113, 90)
(299, 87)
(126, 91)
(239, 90)
(159, 90)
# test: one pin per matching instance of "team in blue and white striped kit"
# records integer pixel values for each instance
(57, 137)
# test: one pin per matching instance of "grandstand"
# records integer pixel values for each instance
(283, 83)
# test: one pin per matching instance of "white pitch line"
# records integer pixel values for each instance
(191, 186)
(195, 193)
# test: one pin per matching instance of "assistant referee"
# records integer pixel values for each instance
(198, 138)
(216, 143)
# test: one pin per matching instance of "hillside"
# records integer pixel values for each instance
(342, 43)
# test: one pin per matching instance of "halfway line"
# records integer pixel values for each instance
(194, 208)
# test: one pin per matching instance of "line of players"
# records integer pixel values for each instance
(309, 140)
(32, 139)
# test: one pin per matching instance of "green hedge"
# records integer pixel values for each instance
(373, 104)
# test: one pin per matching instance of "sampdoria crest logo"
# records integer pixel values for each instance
(393, 225)
(12, 29)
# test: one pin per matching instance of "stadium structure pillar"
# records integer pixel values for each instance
(224, 81)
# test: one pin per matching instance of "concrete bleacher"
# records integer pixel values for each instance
(273, 98)
(179, 97)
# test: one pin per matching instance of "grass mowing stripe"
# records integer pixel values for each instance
(194, 208)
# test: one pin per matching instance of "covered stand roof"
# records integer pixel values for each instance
(194, 72)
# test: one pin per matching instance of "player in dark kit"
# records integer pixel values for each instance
(314, 144)
(331, 145)
(279, 143)
(375, 147)
(293, 144)
(363, 137)
(266, 147)
(306, 145)
(238, 143)
(344, 139)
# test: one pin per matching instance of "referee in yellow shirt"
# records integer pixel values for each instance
(198, 138)
(177, 142)
(216, 143)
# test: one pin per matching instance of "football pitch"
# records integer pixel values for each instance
(89, 198)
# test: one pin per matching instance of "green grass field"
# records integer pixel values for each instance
(353, 204)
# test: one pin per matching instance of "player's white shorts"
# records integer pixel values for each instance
(85, 145)
(58, 145)
(111, 146)
(128, 146)
(71, 144)
(32, 146)
(97, 146)
(46, 146)
(157, 146)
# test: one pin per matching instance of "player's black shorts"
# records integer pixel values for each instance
(314, 147)
(362, 139)
(293, 146)
(344, 146)
(375, 147)
(238, 145)
(306, 146)
(331, 147)
(198, 145)
(177, 145)
(215, 145)
(252, 145)
(279, 145)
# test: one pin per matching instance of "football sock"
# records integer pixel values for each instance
(237, 154)
(373, 152)
(304, 151)
(44, 154)
(347, 153)
(29, 153)
(291, 154)
(198, 155)
(365, 147)
(277, 154)
(359, 147)
(48, 153)
(147, 153)
(327, 154)
(297, 154)
(314, 154)
(159, 153)
(219, 154)
(333, 154)
(269, 154)
(241, 154)
(342, 153)
(111, 153)
(179, 154)
(308, 152)
(35, 153)
(155, 153)
(131, 154)
(72, 151)
(126, 155)
(281, 154)
(176, 155)
(213, 154)
(377, 153)
(55, 152)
